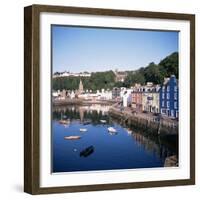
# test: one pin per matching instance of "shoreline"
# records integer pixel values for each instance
(82, 102)
(164, 125)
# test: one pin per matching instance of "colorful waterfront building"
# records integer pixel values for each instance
(127, 98)
(169, 97)
(137, 97)
(151, 99)
(116, 93)
(146, 97)
(137, 100)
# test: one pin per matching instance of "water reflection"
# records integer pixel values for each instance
(86, 114)
(162, 146)
(101, 149)
(152, 146)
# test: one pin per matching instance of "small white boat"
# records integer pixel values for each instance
(112, 130)
(72, 137)
(64, 122)
(103, 121)
(83, 129)
(129, 131)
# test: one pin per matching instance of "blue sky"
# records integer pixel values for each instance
(78, 49)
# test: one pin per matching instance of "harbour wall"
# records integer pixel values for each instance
(161, 127)
(82, 102)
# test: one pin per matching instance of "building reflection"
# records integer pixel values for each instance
(86, 114)
(81, 113)
(151, 146)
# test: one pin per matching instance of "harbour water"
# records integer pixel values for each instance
(95, 148)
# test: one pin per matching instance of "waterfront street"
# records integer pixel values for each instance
(148, 116)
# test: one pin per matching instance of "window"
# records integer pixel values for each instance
(175, 96)
(167, 104)
(175, 88)
(175, 105)
(172, 113)
(168, 88)
(163, 111)
(177, 114)
(163, 95)
(168, 95)
(163, 103)
(163, 88)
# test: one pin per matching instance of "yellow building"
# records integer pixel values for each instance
(150, 102)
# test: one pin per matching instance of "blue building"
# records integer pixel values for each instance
(169, 102)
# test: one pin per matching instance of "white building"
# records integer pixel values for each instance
(105, 94)
(55, 94)
(72, 95)
(127, 97)
(67, 74)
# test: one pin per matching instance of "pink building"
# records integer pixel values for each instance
(137, 100)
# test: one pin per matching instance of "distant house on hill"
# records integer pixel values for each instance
(70, 74)
(120, 75)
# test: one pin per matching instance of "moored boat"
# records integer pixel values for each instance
(86, 122)
(83, 129)
(129, 131)
(63, 121)
(88, 151)
(112, 130)
(72, 137)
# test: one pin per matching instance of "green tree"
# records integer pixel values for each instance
(153, 74)
(169, 65)
(134, 77)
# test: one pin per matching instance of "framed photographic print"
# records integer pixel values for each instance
(109, 99)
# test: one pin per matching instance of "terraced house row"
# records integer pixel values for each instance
(142, 98)
(157, 98)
